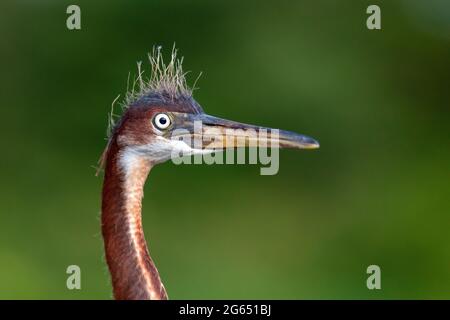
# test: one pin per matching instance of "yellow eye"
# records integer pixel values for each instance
(162, 121)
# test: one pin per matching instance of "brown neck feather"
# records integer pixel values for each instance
(133, 273)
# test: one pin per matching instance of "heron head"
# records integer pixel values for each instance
(159, 129)
(163, 121)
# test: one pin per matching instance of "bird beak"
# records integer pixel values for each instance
(216, 133)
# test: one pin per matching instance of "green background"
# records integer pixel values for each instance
(377, 192)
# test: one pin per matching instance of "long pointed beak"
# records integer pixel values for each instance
(220, 133)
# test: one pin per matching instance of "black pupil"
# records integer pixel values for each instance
(162, 120)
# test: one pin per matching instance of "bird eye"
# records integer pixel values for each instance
(162, 121)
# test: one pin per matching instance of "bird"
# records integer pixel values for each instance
(158, 113)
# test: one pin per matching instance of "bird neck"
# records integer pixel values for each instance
(133, 273)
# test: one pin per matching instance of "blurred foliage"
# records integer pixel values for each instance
(377, 192)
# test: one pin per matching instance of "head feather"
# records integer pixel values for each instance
(167, 80)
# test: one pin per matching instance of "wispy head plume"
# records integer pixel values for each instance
(167, 80)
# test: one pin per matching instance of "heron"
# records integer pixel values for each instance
(157, 114)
